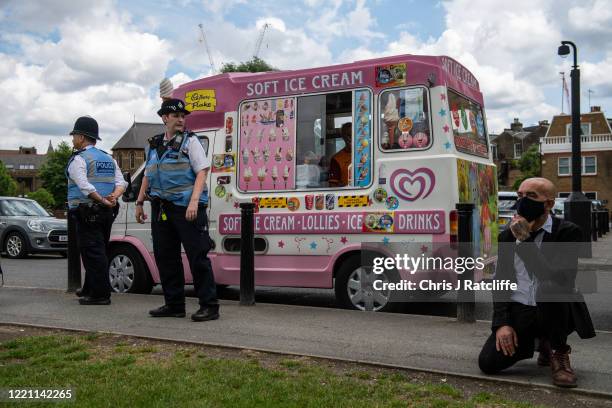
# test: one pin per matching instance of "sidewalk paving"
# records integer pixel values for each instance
(601, 254)
(435, 344)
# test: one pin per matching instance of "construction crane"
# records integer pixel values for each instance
(210, 57)
(260, 40)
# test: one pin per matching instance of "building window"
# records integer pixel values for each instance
(589, 165)
(564, 166)
(132, 160)
(10, 166)
(494, 151)
(518, 150)
(584, 127)
(26, 167)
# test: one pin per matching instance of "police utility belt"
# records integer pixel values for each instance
(165, 205)
(91, 212)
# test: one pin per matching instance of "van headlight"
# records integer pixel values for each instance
(37, 226)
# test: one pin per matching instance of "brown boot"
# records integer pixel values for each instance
(545, 353)
(562, 373)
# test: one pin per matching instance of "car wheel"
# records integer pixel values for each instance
(127, 271)
(15, 245)
(354, 287)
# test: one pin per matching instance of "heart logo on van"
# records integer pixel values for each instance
(412, 185)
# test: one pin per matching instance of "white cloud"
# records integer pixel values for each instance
(103, 69)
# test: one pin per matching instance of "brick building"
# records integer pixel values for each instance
(24, 166)
(596, 145)
(130, 149)
(508, 146)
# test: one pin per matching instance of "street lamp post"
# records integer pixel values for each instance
(577, 206)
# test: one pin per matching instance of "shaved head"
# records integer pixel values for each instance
(543, 186)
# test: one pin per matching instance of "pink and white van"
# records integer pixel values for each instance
(419, 145)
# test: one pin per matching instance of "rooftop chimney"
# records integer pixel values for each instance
(516, 126)
(595, 108)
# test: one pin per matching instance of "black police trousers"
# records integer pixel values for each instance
(168, 234)
(93, 233)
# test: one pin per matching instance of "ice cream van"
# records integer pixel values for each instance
(416, 145)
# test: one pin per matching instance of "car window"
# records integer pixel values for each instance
(22, 208)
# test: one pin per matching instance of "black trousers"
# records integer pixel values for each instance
(169, 233)
(93, 234)
(545, 321)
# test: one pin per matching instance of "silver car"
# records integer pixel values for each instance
(506, 200)
(27, 228)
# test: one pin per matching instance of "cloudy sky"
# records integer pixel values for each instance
(60, 59)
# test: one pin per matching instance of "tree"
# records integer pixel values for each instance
(43, 197)
(53, 173)
(8, 186)
(256, 64)
(529, 164)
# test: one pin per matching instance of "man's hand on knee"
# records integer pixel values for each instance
(506, 340)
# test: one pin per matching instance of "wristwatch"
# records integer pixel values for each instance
(139, 203)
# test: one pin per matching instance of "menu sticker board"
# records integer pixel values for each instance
(267, 145)
(362, 152)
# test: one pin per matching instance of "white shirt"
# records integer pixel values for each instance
(525, 292)
(196, 153)
(77, 171)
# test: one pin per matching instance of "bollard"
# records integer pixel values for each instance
(466, 299)
(74, 258)
(593, 226)
(247, 255)
(600, 230)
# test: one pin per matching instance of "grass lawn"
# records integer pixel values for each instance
(113, 371)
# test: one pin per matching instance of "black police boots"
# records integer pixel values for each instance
(167, 311)
(88, 300)
(204, 313)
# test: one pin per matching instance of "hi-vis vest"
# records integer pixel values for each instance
(100, 173)
(170, 176)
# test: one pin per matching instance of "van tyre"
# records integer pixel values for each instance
(15, 245)
(354, 287)
(127, 271)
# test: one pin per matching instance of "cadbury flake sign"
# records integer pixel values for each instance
(201, 100)
(307, 83)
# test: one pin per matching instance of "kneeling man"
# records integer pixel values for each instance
(540, 253)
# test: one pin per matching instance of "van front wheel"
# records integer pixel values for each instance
(354, 287)
(127, 271)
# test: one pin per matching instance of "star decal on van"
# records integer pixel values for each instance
(281, 244)
(442, 112)
(344, 240)
(313, 245)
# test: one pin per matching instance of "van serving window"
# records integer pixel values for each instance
(306, 142)
(469, 131)
(404, 119)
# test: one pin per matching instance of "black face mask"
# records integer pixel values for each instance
(529, 209)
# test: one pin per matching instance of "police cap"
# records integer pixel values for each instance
(86, 126)
(172, 106)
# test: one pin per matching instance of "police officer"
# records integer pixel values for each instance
(175, 180)
(94, 184)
